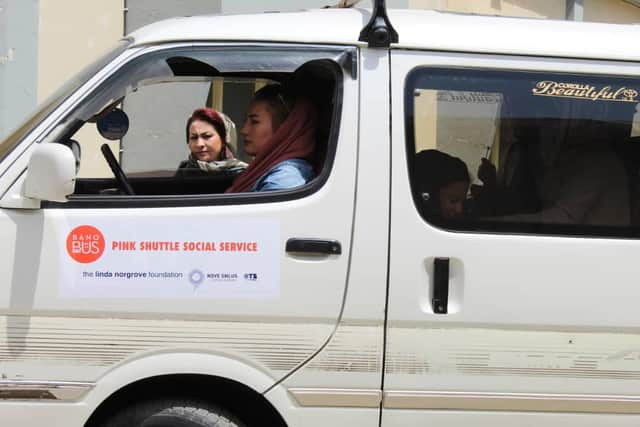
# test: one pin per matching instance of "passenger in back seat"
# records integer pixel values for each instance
(580, 180)
(443, 183)
(208, 141)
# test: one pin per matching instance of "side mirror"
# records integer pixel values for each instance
(76, 150)
(51, 173)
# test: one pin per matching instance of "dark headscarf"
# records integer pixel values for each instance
(433, 170)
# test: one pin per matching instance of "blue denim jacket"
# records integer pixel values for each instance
(287, 174)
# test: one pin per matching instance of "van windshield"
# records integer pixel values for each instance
(55, 99)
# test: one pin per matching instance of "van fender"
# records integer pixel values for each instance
(155, 365)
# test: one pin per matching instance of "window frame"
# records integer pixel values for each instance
(498, 227)
(344, 65)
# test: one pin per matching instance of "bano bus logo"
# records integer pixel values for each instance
(85, 244)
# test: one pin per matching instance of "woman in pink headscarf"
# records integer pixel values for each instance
(280, 133)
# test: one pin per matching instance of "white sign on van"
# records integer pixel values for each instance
(160, 258)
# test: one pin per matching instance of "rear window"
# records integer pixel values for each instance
(525, 152)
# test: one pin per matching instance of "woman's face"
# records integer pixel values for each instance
(204, 141)
(257, 129)
(452, 197)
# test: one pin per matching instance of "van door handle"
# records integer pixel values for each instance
(440, 297)
(314, 246)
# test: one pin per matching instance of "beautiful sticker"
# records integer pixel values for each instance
(585, 91)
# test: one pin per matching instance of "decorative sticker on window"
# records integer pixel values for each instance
(466, 97)
(157, 258)
(585, 91)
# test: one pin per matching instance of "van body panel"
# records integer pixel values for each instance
(87, 330)
(528, 326)
(352, 359)
(417, 29)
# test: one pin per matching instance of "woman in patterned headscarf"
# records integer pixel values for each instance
(207, 133)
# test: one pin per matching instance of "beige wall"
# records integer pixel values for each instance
(425, 119)
(555, 9)
(74, 33)
(614, 11)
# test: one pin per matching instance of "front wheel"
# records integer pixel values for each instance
(172, 413)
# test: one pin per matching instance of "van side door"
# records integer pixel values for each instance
(257, 277)
(512, 292)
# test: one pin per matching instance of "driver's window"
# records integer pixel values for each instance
(140, 116)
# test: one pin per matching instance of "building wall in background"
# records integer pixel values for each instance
(143, 12)
(251, 6)
(18, 61)
(72, 34)
(555, 9)
(613, 11)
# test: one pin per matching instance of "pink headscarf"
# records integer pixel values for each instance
(294, 139)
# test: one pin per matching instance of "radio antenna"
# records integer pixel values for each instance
(379, 32)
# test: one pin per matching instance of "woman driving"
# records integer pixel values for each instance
(279, 132)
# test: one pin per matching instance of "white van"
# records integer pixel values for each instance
(371, 296)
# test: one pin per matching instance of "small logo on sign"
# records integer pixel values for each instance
(252, 277)
(85, 244)
(196, 277)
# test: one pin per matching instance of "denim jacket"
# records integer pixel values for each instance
(287, 174)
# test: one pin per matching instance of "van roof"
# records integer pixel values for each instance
(417, 29)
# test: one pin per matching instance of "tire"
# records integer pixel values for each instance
(172, 413)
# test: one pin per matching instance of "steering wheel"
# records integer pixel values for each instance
(118, 173)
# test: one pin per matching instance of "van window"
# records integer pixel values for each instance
(523, 151)
(132, 129)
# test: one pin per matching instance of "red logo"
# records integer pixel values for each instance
(85, 244)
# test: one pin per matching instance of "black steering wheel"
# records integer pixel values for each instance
(118, 173)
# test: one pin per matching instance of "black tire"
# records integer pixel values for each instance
(172, 413)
